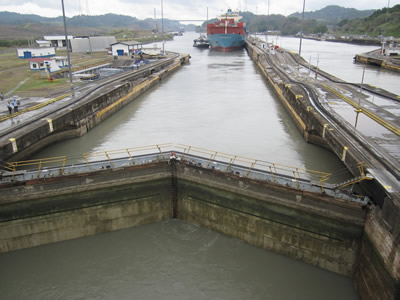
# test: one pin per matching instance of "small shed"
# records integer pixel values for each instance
(51, 64)
(125, 48)
(37, 64)
(36, 52)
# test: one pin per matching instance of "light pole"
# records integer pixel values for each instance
(302, 21)
(358, 109)
(384, 30)
(67, 43)
(162, 26)
(386, 18)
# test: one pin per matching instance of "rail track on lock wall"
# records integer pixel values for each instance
(348, 134)
(331, 78)
(118, 78)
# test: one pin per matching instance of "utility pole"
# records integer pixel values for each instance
(162, 26)
(155, 19)
(386, 18)
(68, 49)
(302, 21)
(358, 109)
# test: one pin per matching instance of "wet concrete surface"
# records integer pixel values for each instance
(370, 112)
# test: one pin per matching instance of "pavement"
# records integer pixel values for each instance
(385, 61)
(380, 116)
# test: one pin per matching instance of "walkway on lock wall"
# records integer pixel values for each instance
(293, 177)
(340, 103)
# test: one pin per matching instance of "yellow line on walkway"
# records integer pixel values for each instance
(366, 112)
(134, 91)
(40, 105)
(174, 67)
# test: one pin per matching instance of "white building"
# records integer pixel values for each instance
(43, 44)
(58, 41)
(36, 52)
(92, 43)
(125, 48)
(52, 64)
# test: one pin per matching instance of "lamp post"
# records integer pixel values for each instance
(302, 21)
(358, 109)
(386, 18)
(68, 49)
(162, 26)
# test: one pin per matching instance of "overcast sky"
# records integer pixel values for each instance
(179, 9)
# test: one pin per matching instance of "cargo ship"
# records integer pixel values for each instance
(227, 33)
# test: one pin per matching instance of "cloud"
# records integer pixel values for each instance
(32, 8)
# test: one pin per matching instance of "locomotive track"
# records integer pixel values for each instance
(366, 150)
(85, 92)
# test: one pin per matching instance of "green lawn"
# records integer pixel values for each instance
(14, 70)
(40, 84)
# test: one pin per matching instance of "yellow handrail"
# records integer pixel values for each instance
(366, 112)
(252, 163)
(229, 159)
(40, 105)
(13, 166)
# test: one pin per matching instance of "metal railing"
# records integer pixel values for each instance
(294, 177)
(230, 159)
(130, 152)
(42, 166)
(39, 164)
(366, 112)
(259, 165)
(35, 107)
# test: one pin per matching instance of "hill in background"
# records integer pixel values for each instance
(17, 26)
(333, 14)
(381, 22)
(332, 19)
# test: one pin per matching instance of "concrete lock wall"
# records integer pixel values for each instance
(315, 229)
(319, 230)
(58, 209)
(84, 116)
(377, 270)
(308, 121)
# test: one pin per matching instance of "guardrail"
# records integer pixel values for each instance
(37, 106)
(255, 164)
(294, 177)
(366, 112)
